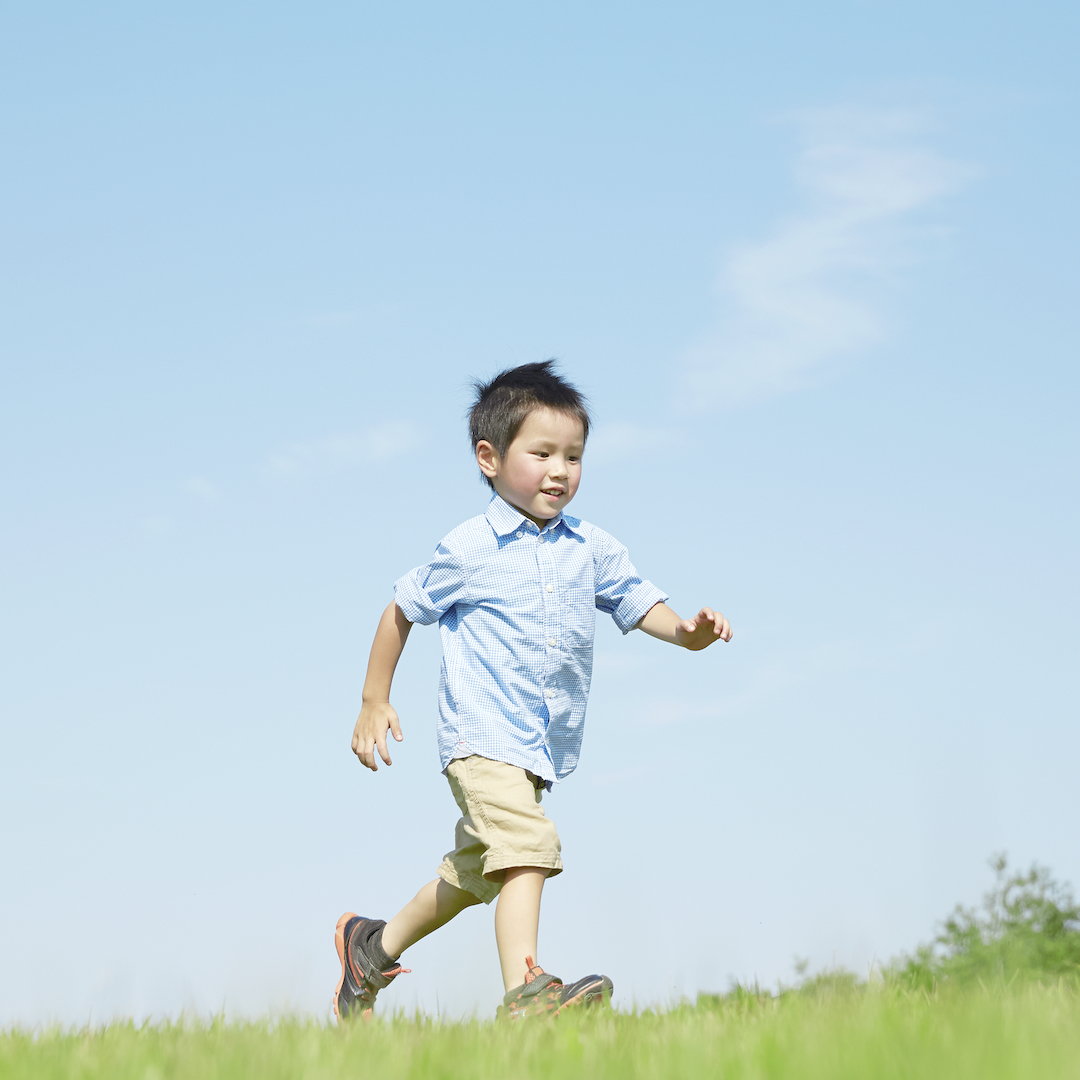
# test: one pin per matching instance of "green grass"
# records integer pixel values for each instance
(1031, 1032)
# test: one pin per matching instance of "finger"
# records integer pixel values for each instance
(367, 755)
(725, 632)
(380, 742)
(705, 615)
(395, 728)
(719, 623)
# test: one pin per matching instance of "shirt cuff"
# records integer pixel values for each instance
(414, 602)
(635, 605)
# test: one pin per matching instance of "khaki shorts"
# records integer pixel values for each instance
(502, 826)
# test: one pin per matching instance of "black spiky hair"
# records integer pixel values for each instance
(503, 404)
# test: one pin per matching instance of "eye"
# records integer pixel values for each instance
(541, 453)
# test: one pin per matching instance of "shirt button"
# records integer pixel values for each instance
(551, 642)
(519, 534)
(550, 588)
(549, 693)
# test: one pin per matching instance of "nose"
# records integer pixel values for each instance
(557, 468)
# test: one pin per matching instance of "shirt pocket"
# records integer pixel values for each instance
(578, 618)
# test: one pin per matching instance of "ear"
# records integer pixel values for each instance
(487, 458)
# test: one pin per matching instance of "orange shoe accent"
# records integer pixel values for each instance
(339, 944)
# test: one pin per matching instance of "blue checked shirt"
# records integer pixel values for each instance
(516, 608)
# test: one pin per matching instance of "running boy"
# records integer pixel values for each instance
(515, 593)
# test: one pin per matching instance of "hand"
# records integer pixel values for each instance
(370, 732)
(702, 630)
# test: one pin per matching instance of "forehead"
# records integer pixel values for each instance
(549, 425)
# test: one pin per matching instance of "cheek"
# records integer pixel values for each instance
(526, 474)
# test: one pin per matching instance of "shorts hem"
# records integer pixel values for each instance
(550, 861)
(484, 891)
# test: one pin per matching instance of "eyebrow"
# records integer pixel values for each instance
(550, 442)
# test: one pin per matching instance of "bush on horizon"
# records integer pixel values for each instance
(1028, 930)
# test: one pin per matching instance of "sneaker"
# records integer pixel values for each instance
(543, 994)
(361, 979)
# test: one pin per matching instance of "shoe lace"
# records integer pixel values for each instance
(369, 990)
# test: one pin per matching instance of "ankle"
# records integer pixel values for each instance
(388, 944)
(383, 960)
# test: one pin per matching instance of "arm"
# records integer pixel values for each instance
(694, 634)
(377, 714)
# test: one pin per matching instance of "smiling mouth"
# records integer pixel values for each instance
(554, 493)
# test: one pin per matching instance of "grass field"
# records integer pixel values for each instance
(996, 995)
(1031, 1032)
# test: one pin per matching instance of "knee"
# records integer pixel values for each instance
(452, 896)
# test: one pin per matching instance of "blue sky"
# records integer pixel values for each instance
(815, 269)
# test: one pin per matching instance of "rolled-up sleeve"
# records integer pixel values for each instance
(428, 592)
(620, 592)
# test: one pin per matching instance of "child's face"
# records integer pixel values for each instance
(541, 470)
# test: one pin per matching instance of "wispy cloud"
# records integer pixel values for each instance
(611, 441)
(825, 662)
(816, 669)
(812, 293)
(318, 457)
(201, 488)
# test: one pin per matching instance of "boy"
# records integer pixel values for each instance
(515, 593)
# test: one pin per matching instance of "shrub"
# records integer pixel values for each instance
(1028, 928)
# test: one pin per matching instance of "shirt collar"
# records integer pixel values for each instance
(505, 519)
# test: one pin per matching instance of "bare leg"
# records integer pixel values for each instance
(517, 921)
(433, 906)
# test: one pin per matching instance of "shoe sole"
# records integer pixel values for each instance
(339, 944)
